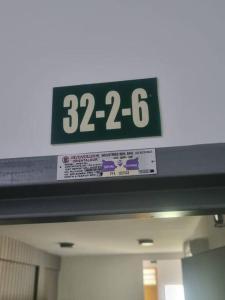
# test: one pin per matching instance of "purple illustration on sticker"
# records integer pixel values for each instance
(108, 166)
(132, 164)
(120, 163)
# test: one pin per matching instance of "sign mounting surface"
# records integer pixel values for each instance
(105, 111)
(106, 164)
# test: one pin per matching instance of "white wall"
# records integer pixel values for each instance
(216, 235)
(100, 278)
(169, 272)
(111, 277)
(206, 229)
(55, 43)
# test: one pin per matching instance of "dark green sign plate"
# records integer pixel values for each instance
(105, 111)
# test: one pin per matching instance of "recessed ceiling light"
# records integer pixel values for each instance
(66, 245)
(146, 242)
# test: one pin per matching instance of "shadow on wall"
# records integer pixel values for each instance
(27, 272)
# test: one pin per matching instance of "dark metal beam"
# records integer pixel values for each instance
(171, 162)
(190, 179)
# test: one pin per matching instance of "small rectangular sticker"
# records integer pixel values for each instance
(106, 164)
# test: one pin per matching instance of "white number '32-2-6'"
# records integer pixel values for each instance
(140, 111)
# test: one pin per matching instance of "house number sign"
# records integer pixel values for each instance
(105, 111)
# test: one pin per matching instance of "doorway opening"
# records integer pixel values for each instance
(150, 280)
(104, 259)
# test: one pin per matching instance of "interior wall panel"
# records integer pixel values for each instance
(13, 250)
(51, 282)
(18, 266)
(17, 281)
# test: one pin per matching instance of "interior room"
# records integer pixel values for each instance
(112, 150)
(161, 257)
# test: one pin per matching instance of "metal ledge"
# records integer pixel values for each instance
(190, 179)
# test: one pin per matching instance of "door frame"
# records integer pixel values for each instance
(190, 180)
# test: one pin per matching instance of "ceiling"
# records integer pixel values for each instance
(107, 237)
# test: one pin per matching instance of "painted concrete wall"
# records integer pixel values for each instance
(100, 278)
(216, 235)
(112, 277)
(52, 43)
(169, 272)
(206, 229)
